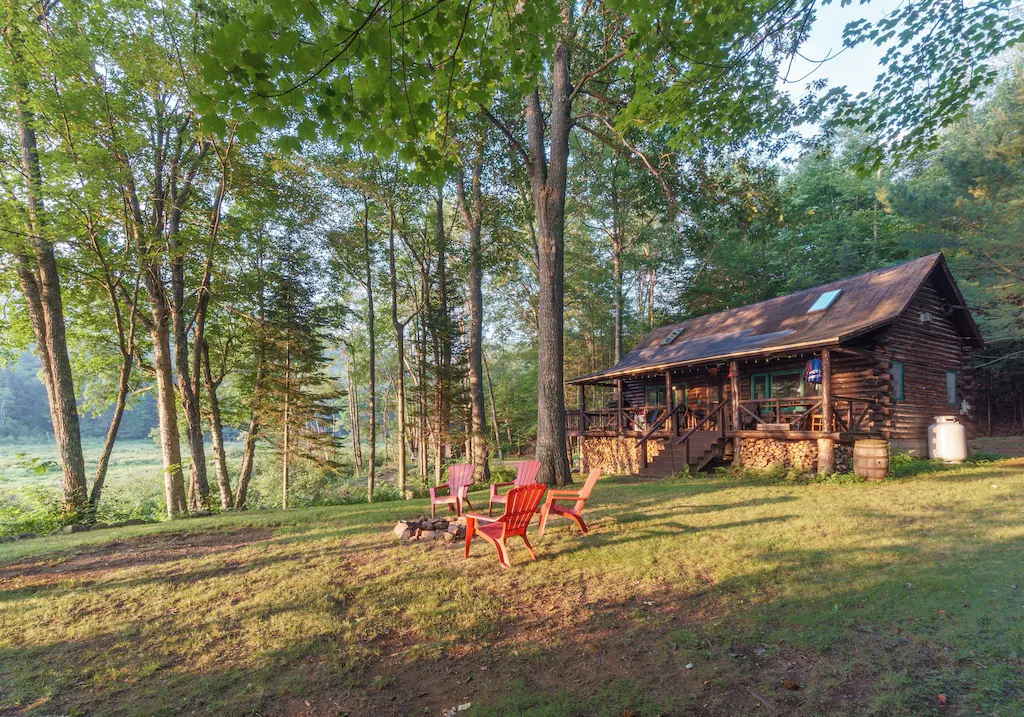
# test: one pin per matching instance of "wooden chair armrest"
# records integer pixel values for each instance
(495, 486)
(434, 490)
(481, 518)
(562, 494)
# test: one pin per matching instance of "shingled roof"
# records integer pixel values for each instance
(866, 302)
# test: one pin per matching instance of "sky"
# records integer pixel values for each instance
(855, 68)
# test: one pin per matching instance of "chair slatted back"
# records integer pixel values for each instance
(527, 473)
(521, 507)
(460, 477)
(595, 473)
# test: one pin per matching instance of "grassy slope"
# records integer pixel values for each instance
(872, 598)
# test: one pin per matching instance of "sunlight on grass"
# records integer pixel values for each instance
(871, 597)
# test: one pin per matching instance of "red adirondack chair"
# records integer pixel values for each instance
(520, 506)
(526, 474)
(575, 513)
(460, 477)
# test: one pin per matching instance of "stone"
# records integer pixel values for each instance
(127, 523)
(452, 529)
(449, 537)
(99, 526)
(401, 528)
(201, 514)
(427, 535)
(75, 528)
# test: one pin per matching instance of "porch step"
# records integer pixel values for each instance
(705, 446)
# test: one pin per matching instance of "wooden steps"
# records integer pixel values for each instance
(705, 446)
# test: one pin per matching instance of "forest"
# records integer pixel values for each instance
(349, 244)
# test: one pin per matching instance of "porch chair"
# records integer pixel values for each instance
(526, 474)
(575, 513)
(460, 477)
(520, 505)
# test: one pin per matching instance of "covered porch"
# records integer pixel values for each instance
(699, 414)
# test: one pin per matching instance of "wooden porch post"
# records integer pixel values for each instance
(826, 446)
(582, 403)
(668, 399)
(734, 390)
(619, 407)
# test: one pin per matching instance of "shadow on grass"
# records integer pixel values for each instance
(909, 605)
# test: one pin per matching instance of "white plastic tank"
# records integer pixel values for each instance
(947, 440)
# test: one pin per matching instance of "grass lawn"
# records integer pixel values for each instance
(693, 595)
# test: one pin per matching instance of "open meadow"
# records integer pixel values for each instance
(705, 595)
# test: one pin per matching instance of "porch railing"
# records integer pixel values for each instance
(806, 414)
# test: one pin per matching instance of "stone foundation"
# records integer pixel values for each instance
(761, 453)
(615, 455)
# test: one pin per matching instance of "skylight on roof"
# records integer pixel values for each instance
(825, 301)
(672, 336)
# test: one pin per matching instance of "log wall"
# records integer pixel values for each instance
(927, 351)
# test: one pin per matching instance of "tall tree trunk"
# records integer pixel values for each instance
(548, 170)
(400, 349)
(618, 230)
(371, 473)
(167, 410)
(40, 285)
(472, 214)
(353, 416)
(123, 386)
(287, 419)
(199, 486)
(442, 349)
(216, 430)
(494, 411)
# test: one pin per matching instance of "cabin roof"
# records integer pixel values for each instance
(865, 303)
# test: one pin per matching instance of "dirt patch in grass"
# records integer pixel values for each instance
(1009, 446)
(142, 551)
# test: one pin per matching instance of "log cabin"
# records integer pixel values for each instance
(795, 380)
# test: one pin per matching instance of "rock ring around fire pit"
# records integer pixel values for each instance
(424, 528)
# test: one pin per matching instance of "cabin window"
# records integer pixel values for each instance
(951, 388)
(897, 380)
(654, 396)
(783, 384)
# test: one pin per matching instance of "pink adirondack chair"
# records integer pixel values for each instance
(520, 507)
(526, 474)
(575, 513)
(460, 478)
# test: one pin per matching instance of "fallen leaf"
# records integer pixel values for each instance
(790, 685)
(689, 665)
(942, 700)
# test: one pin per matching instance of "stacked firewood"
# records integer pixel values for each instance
(766, 452)
(616, 455)
(844, 459)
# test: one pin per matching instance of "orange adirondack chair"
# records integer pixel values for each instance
(520, 506)
(526, 474)
(460, 477)
(575, 513)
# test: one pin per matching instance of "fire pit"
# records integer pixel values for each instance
(424, 528)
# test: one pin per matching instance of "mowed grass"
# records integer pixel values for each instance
(702, 595)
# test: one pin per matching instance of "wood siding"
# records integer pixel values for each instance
(927, 351)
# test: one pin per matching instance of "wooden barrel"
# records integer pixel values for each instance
(871, 458)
